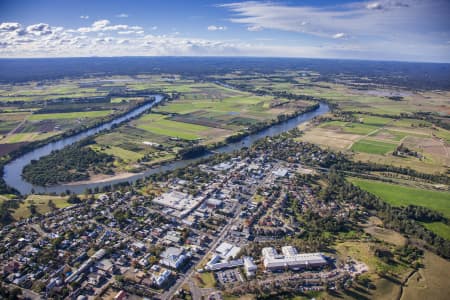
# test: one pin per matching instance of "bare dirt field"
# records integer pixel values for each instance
(332, 138)
(386, 235)
(429, 145)
(431, 282)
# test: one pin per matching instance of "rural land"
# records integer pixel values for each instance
(224, 179)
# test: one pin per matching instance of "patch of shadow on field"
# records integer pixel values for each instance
(7, 148)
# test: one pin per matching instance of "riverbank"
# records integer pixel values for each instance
(13, 173)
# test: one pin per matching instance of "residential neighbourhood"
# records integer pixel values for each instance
(128, 244)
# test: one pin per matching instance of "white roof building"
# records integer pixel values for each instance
(291, 259)
(181, 203)
(173, 257)
(249, 266)
(161, 276)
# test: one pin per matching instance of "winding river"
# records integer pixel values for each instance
(13, 170)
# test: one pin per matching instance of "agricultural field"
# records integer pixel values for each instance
(374, 139)
(399, 195)
(373, 147)
(70, 115)
(202, 113)
(34, 111)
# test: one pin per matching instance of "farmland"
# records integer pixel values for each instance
(398, 195)
(373, 147)
(201, 113)
(371, 138)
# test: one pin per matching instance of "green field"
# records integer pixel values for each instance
(373, 147)
(441, 229)
(71, 115)
(356, 128)
(125, 155)
(41, 202)
(158, 124)
(374, 120)
(399, 195)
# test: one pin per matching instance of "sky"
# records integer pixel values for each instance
(402, 30)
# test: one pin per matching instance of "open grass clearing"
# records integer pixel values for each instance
(374, 120)
(205, 280)
(373, 147)
(399, 195)
(174, 129)
(439, 228)
(430, 165)
(41, 202)
(125, 155)
(386, 235)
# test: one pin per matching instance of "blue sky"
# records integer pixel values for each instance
(412, 30)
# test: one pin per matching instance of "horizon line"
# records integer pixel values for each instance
(226, 56)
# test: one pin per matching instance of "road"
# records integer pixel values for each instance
(187, 277)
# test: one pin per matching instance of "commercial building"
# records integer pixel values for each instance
(249, 266)
(173, 257)
(180, 203)
(291, 259)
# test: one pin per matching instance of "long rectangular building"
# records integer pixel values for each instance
(291, 259)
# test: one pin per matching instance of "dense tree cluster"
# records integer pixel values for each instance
(72, 163)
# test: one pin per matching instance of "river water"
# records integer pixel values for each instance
(13, 170)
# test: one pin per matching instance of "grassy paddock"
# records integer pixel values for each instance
(441, 229)
(373, 147)
(399, 195)
(41, 202)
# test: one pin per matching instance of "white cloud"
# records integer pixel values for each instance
(39, 29)
(84, 17)
(339, 35)
(104, 25)
(255, 28)
(379, 19)
(359, 32)
(122, 15)
(374, 5)
(154, 27)
(216, 28)
(9, 26)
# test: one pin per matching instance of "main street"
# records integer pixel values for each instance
(187, 277)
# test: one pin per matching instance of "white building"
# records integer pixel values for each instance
(173, 257)
(181, 203)
(249, 266)
(160, 275)
(291, 259)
